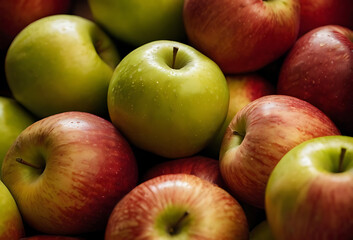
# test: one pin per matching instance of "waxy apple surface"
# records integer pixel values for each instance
(13, 120)
(61, 63)
(15, 15)
(318, 13)
(67, 171)
(177, 206)
(242, 36)
(138, 22)
(168, 98)
(11, 225)
(200, 166)
(258, 137)
(243, 89)
(310, 192)
(319, 70)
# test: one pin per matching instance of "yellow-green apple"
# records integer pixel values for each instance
(310, 192)
(319, 69)
(138, 22)
(242, 35)
(259, 135)
(168, 98)
(177, 206)
(314, 13)
(61, 63)
(243, 88)
(13, 120)
(261, 231)
(201, 166)
(11, 225)
(67, 171)
(17, 14)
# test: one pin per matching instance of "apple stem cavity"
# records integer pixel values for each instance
(20, 160)
(175, 52)
(175, 228)
(341, 159)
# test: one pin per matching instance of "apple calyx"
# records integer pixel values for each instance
(236, 133)
(175, 228)
(20, 160)
(175, 52)
(341, 159)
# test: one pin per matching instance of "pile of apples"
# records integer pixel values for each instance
(183, 119)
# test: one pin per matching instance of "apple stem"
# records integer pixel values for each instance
(175, 228)
(175, 51)
(20, 160)
(343, 153)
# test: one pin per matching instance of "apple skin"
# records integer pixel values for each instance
(11, 225)
(15, 15)
(84, 166)
(170, 111)
(243, 89)
(308, 196)
(258, 137)
(314, 14)
(242, 36)
(14, 118)
(319, 69)
(262, 231)
(154, 206)
(69, 60)
(138, 22)
(201, 166)
(205, 168)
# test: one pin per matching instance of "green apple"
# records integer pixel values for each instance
(261, 231)
(168, 98)
(13, 120)
(138, 22)
(61, 63)
(11, 225)
(310, 192)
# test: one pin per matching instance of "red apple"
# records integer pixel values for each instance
(177, 206)
(203, 167)
(243, 89)
(67, 171)
(242, 35)
(207, 169)
(317, 13)
(17, 14)
(258, 137)
(319, 69)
